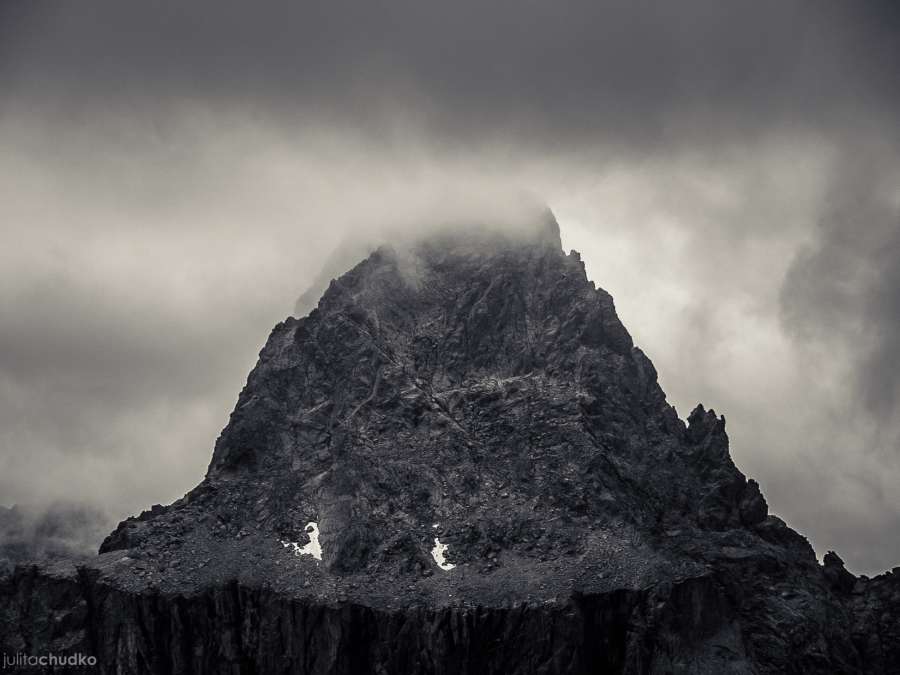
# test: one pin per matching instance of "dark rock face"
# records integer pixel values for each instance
(472, 396)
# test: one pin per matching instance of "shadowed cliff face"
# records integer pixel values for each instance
(461, 447)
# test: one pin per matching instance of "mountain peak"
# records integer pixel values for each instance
(527, 226)
(462, 424)
(472, 386)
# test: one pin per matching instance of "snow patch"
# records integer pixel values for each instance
(438, 554)
(313, 548)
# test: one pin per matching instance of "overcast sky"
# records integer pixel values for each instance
(174, 174)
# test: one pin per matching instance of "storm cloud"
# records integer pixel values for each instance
(173, 175)
(637, 72)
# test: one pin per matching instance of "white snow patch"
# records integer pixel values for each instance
(438, 554)
(313, 548)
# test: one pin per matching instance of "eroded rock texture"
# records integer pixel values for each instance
(471, 390)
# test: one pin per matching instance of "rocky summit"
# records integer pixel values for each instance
(460, 463)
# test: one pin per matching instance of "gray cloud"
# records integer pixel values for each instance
(637, 71)
(173, 175)
(841, 303)
(844, 288)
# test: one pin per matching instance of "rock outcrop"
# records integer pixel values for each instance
(459, 462)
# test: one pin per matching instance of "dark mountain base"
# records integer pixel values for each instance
(701, 625)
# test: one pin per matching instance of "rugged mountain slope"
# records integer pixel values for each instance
(460, 463)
